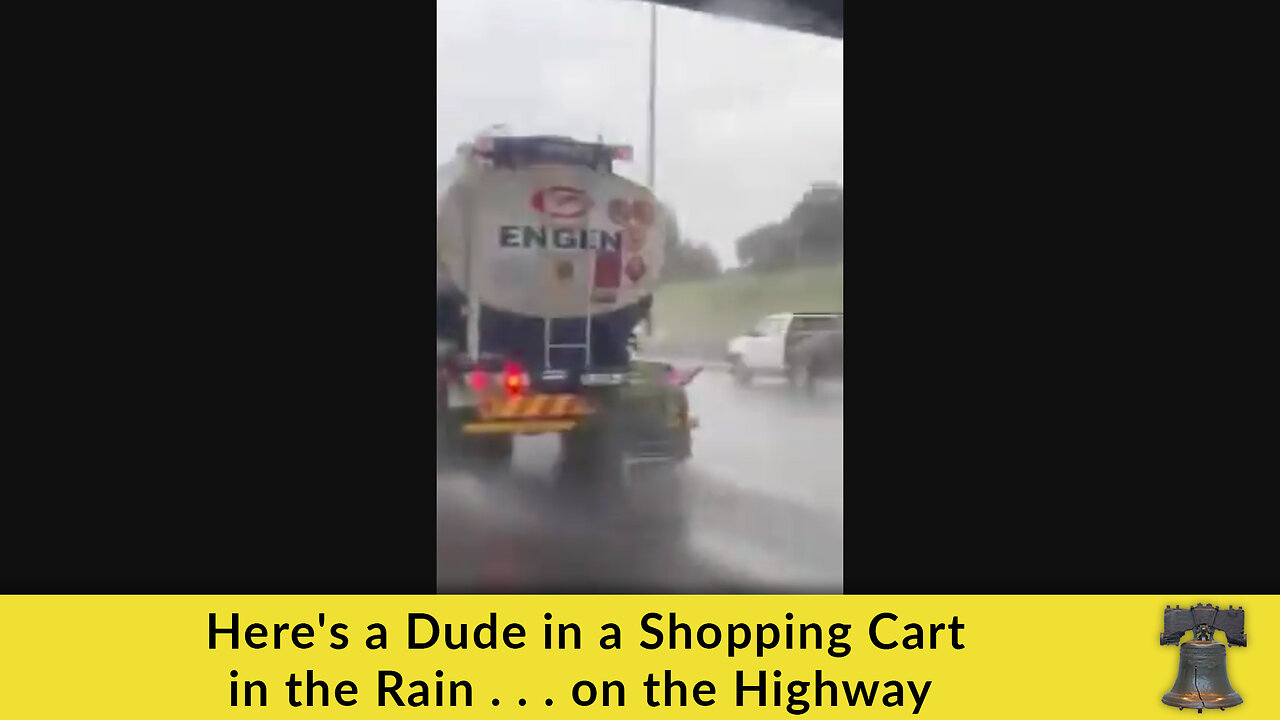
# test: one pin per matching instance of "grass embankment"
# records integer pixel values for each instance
(698, 318)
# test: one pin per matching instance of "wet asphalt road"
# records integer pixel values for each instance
(762, 502)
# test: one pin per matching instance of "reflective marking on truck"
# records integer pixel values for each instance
(518, 427)
(569, 406)
(537, 406)
(534, 406)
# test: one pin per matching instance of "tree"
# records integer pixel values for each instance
(684, 259)
(812, 234)
(818, 221)
(770, 247)
(691, 261)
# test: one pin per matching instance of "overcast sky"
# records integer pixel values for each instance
(748, 115)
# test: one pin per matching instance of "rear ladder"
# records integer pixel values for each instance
(584, 344)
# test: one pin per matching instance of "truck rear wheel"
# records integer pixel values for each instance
(803, 378)
(485, 454)
(448, 436)
(591, 457)
(492, 453)
(661, 500)
(740, 372)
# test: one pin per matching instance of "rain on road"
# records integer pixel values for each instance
(763, 500)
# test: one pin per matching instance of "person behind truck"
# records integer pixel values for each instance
(645, 308)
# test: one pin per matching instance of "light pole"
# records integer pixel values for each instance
(653, 87)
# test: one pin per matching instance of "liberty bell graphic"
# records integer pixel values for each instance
(1202, 663)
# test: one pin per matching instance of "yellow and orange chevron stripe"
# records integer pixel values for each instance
(530, 407)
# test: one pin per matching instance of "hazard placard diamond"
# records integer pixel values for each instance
(636, 268)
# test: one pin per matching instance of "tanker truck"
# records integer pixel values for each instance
(546, 264)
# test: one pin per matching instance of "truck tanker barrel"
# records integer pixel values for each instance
(557, 255)
(546, 263)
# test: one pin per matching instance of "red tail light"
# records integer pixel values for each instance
(514, 378)
(513, 384)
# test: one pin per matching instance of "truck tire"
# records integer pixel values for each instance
(492, 453)
(667, 506)
(740, 372)
(803, 378)
(651, 510)
(487, 455)
(592, 457)
(447, 435)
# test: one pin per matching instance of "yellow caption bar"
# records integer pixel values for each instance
(613, 656)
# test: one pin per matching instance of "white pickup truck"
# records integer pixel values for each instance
(799, 346)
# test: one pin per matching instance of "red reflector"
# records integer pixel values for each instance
(683, 378)
(479, 380)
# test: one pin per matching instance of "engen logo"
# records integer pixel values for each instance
(561, 203)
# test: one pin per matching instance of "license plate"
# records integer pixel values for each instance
(602, 379)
